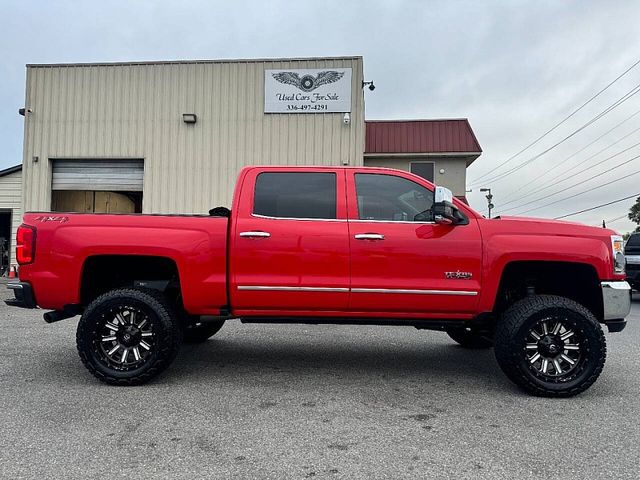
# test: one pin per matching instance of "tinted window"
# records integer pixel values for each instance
(424, 169)
(634, 240)
(387, 197)
(296, 195)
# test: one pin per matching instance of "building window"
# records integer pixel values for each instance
(296, 195)
(424, 169)
(392, 198)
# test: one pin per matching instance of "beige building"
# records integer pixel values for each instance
(172, 136)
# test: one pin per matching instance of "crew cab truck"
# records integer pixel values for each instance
(367, 246)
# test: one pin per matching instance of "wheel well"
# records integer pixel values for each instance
(577, 281)
(105, 272)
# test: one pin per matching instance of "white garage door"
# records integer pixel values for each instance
(98, 175)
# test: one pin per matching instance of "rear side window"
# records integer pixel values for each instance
(296, 195)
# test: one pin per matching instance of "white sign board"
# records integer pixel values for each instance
(323, 90)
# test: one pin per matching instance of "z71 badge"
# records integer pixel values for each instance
(458, 275)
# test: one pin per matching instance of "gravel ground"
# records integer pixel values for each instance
(274, 401)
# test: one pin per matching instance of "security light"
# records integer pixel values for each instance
(189, 118)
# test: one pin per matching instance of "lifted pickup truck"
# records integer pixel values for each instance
(366, 246)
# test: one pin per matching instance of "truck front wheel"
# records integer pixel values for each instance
(550, 346)
(128, 336)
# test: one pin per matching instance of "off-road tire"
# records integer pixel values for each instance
(167, 331)
(470, 339)
(511, 336)
(201, 332)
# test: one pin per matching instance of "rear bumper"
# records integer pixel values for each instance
(23, 294)
(616, 299)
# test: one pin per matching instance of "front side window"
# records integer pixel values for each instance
(295, 195)
(392, 198)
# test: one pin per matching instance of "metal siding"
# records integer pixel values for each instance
(420, 136)
(11, 199)
(98, 175)
(135, 111)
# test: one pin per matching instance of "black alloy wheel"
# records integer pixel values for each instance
(128, 336)
(550, 346)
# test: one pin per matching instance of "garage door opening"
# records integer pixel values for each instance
(96, 202)
(5, 240)
(97, 186)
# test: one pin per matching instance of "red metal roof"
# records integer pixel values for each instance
(420, 136)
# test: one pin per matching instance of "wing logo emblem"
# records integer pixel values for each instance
(308, 83)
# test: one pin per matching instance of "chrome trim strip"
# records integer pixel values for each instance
(356, 220)
(267, 217)
(291, 289)
(266, 288)
(416, 292)
(14, 286)
(350, 220)
(632, 259)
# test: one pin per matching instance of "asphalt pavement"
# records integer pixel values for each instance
(298, 401)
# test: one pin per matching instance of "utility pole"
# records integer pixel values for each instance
(489, 197)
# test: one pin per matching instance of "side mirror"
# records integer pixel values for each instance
(444, 211)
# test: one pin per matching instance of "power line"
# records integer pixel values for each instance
(597, 206)
(576, 184)
(556, 165)
(610, 108)
(581, 193)
(561, 121)
(626, 215)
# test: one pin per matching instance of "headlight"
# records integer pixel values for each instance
(617, 245)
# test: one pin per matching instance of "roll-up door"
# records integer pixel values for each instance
(98, 175)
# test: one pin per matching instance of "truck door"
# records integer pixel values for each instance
(401, 261)
(289, 243)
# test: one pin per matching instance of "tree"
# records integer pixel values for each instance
(634, 213)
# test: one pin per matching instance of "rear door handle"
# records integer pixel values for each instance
(368, 236)
(255, 234)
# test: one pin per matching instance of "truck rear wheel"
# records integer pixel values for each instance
(128, 336)
(470, 339)
(201, 332)
(550, 346)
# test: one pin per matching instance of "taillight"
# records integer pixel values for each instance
(25, 244)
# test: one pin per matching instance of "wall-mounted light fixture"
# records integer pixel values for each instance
(346, 119)
(372, 87)
(189, 118)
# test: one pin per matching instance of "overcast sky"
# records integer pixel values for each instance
(515, 69)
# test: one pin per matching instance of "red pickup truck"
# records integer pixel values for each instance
(367, 246)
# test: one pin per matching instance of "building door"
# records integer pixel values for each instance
(400, 258)
(97, 186)
(5, 240)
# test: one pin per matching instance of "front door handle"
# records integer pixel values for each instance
(255, 234)
(368, 236)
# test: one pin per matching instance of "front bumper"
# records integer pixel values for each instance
(616, 300)
(23, 294)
